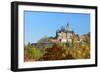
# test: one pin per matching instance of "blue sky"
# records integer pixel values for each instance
(40, 24)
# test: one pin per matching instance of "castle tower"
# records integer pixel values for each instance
(65, 34)
(68, 28)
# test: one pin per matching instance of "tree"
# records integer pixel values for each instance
(45, 39)
(54, 53)
(32, 53)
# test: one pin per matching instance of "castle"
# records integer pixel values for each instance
(64, 35)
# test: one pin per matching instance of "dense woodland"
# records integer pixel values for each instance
(57, 51)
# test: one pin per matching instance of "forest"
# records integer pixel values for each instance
(57, 51)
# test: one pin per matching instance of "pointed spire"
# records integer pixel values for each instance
(62, 28)
(68, 27)
(67, 24)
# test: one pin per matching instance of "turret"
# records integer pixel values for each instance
(68, 28)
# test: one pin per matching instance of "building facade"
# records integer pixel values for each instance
(65, 34)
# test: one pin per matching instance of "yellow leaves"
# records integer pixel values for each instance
(63, 55)
(59, 51)
(78, 52)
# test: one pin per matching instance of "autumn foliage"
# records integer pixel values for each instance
(58, 51)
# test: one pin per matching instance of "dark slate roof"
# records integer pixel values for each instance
(65, 29)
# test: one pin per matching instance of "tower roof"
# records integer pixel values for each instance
(66, 29)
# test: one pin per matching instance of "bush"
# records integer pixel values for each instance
(32, 54)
